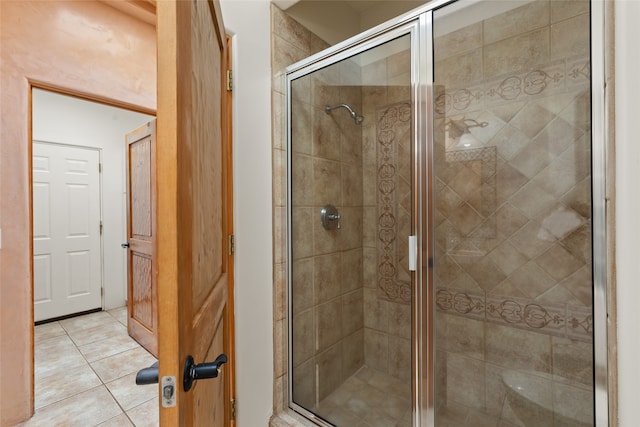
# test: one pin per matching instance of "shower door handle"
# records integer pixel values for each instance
(413, 253)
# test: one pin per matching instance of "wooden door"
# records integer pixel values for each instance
(194, 210)
(67, 262)
(142, 320)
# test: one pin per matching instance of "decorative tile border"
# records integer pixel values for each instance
(551, 319)
(392, 120)
(554, 77)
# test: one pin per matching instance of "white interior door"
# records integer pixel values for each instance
(66, 230)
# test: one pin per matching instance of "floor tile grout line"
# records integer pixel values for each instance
(102, 382)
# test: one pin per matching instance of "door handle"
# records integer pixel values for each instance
(124, 245)
(202, 371)
(148, 375)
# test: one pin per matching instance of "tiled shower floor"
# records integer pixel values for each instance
(85, 371)
(369, 399)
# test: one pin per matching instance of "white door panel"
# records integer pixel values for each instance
(66, 230)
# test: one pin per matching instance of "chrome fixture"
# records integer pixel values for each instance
(355, 116)
(329, 217)
(458, 131)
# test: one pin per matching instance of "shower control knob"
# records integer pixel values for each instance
(329, 217)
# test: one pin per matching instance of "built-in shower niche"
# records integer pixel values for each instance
(350, 288)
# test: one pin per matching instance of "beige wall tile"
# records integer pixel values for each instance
(561, 10)
(284, 26)
(352, 312)
(572, 361)
(330, 370)
(279, 294)
(464, 336)
(301, 127)
(376, 311)
(302, 233)
(465, 380)
(326, 182)
(459, 41)
(460, 70)
(376, 350)
(570, 37)
(327, 277)
(353, 356)
(558, 262)
(302, 294)
(285, 53)
(329, 323)
(516, 53)
(326, 135)
(351, 268)
(351, 185)
(529, 17)
(303, 338)
(304, 384)
(518, 349)
(577, 404)
(302, 180)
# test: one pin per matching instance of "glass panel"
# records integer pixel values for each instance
(513, 249)
(351, 207)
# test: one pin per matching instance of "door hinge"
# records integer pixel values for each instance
(229, 80)
(101, 292)
(231, 244)
(101, 228)
(99, 167)
(233, 409)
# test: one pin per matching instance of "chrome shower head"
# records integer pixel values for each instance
(355, 116)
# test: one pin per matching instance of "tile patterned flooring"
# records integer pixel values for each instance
(369, 398)
(85, 371)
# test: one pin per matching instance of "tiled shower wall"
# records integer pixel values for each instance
(386, 100)
(513, 213)
(327, 264)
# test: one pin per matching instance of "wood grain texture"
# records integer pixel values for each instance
(193, 262)
(140, 161)
(142, 304)
(142, 288)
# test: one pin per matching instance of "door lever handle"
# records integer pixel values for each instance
(148, 375)
(124, 245)
(202, 371)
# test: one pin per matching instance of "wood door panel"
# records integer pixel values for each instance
(140, 155)
(207, 392)
(142, 322)
(142, 308)
(194, 208)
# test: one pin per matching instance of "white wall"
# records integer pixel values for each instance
(249, 23)
(627, 34)
(67, 120)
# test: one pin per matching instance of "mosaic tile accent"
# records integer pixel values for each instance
(551, 319)
(554, 77)
(393, 121)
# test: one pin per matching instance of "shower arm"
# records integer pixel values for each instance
(355, 116)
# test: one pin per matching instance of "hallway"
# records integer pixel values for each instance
(85, 371)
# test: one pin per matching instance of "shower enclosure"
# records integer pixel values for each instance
(445, 221)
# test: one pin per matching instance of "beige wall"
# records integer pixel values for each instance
(83, 47)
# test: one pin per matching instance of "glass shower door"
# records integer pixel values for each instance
(350, 189)
(512, 241)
